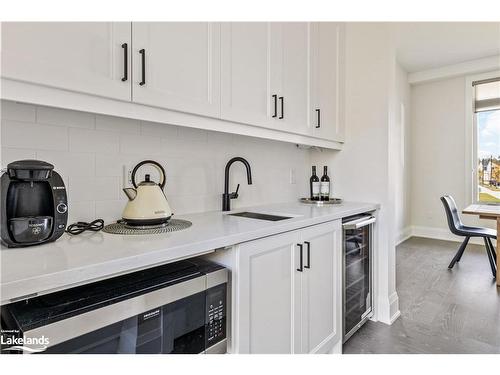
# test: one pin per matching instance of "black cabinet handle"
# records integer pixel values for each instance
(125, 62)
(282, 108)
(308, 254)
(318, 123)
(301, 267)
(143, 61)
(275, 99)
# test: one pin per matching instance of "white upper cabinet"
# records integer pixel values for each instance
(89, 57)
(285, 77)
(245, 72)
(177, 66)
(327, 86)
(265, 74)
(294, 77)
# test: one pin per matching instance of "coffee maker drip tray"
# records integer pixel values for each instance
(121, 227)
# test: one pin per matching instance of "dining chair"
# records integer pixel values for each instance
(458, 228)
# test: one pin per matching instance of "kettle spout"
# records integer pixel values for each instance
(131, 193)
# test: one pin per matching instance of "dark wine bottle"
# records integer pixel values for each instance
(325, 185)
(314, 185)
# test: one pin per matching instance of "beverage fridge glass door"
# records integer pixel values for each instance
(357, 272)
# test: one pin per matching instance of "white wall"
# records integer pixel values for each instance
(361, 171)
(402, 155)
(90, 150)
(438, 155)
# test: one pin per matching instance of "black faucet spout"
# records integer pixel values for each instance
(226, 197)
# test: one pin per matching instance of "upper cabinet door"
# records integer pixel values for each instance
(89, 57)
(246, 73)
(321, 287)
(327, 87)
(295, 73)
(177, 66)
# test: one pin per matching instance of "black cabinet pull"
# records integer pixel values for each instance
(308, 254)
(318, 123)
(282, 108)
(301, 266)
(143, 61)
(275, 99)
(125, 62)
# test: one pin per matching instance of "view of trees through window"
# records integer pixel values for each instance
(488, 152)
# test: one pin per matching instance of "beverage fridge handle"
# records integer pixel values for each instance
(359, 223)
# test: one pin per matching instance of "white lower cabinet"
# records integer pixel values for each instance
(321, 287)
(285, 303)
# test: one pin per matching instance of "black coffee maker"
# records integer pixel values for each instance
(34, 204)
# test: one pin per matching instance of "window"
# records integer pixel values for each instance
(487, 123)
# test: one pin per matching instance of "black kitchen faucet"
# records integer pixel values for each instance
(226, 197)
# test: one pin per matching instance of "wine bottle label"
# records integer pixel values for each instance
(315, 188)
(325, 188)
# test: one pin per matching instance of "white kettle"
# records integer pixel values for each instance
(147, 203)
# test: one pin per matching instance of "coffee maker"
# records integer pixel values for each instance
(34, 204)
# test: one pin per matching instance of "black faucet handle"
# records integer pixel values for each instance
(235, 194)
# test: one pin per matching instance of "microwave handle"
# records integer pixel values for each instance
(359, 223)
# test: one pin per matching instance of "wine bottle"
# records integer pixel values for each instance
(314, 185)
(325, 185)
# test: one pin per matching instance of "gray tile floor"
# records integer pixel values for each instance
(442, 311)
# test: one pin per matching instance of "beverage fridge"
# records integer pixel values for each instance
(357, 272)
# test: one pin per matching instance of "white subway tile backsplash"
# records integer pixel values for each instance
(83, 188)
(140, 145)
(69, 163)
(80, 211)
(90, 152)
(117, 124)
(12, 154)
(113, 164)
(18, 111)
(34, 136)
(192, 134)
(65, 117)
(85, 140)
(110, 210)
(155, 129)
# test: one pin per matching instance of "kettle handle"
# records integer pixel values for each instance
(154, 163)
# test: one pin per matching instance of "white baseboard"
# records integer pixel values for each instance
(440, 234)
(403, 235)
(394, 307)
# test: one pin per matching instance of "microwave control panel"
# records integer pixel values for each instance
(216, 314)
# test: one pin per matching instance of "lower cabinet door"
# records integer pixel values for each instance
(321, 287)
(266, 295)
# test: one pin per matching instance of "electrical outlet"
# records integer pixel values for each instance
(293, 177)
(127, 175)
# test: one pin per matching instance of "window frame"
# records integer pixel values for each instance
(471, 170)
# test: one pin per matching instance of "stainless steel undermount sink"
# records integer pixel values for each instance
(259, 216)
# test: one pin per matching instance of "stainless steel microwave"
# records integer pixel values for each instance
(175, 308)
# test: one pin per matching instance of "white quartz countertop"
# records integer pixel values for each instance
(91, 256)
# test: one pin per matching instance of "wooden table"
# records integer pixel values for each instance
(491, 212)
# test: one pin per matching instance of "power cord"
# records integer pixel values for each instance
(81, 226)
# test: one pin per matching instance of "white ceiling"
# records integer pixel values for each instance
(427, 45)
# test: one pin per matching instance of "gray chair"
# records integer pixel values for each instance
(458, 228)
